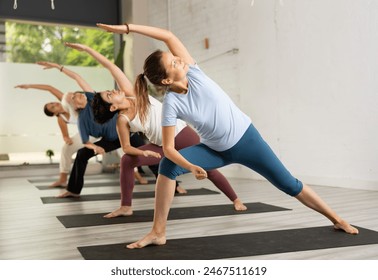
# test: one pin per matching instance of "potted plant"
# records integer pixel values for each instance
(50, 154)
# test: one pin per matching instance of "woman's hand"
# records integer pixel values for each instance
(99, 150)
(48, 65)
(120, 29)
(198, 172)
(24, 86)
(148, 153)
(67, 140)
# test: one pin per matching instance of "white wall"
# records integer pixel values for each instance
(23, 125)
(305, 73)
(311, 67)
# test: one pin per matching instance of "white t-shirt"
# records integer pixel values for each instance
(152, 127)
(68, 108)
(218, 121)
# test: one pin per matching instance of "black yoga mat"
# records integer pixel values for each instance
(70, 221)
(97, 184)
(113, 196)
(235, 245)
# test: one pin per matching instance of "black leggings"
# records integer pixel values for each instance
(76, 181)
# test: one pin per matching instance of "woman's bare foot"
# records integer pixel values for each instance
(121, 211)
(181, 190)
(150, 239)
(239, 206)
(68, 194)
(140, 178)
(61, 182)
(343, 225)
(58, 184)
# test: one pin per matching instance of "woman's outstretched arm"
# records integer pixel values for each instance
(54, 91)
(73, 75)
(122, 81)
(174, 44)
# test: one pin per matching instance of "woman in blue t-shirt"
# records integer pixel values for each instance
(141, 114)
(227, 134)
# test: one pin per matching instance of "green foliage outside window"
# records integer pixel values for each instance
(27, 43)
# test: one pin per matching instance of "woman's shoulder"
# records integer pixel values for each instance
(122, 119)
(194, 71)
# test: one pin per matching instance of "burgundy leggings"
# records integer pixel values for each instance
(187, 137)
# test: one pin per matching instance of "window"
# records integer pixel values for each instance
(28, 43)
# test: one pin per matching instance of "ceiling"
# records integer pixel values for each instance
(72, 12)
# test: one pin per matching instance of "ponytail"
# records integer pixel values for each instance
(143, 102)
(155, 72)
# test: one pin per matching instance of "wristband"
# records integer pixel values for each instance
(127, 28)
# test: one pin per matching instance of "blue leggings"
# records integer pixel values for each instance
(251, 151)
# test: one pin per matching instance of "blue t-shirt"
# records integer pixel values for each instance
(89, 127)
(218, 121)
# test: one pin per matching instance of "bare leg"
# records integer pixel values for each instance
(164, 193)
(309, 198)
(62, 181)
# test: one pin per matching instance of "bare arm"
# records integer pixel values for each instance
(73, 75)
(176, 47)
(64, 129)
(122, 81)
(171, 153)
(124, 137)
(54, 91)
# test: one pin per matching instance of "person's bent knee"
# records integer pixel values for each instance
(65, 148)
(293, 189)
(129, 161)
(170, 169)
(84, 153)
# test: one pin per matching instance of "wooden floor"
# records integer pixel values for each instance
(31, 231)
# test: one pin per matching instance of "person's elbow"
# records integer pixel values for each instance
(126, 149)
(168, 152)
(170, 36)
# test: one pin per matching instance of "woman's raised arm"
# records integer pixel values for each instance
(73, 75)
(119, 76)
(174, 44)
